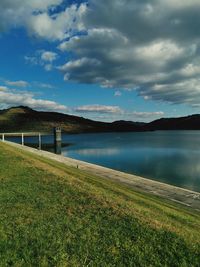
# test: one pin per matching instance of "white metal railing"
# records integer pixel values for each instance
(22, 135)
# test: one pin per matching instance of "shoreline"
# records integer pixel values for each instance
(176, 194)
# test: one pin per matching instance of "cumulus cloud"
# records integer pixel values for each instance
(9, 98)
(76, 66)
(126, 115)
(41, 19)
(183, 91)
(60, 25)
(17, 83)
(148, 46)
(145, 115)
(43, 85)
(49, 56)
(42, 58)
(24, 84)
(16, 13)
(111, 113)
(117, 93)
(98, 109)
(152, 47)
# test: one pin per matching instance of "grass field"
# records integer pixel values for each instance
(53, 215)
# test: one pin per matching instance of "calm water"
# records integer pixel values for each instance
(172, 157)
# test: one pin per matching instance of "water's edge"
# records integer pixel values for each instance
(179, 195)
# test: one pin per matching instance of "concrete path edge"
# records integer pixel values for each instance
(179, 195)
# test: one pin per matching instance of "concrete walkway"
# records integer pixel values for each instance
(176, 194)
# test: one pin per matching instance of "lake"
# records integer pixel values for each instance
(171, 157)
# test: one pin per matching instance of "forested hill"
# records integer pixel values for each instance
(26, 119)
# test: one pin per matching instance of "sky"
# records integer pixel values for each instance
(105, 60)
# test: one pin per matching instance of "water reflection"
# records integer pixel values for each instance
(98, 152)
(170, 157)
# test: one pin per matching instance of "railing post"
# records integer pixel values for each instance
(22, 139)
(40, 142)
(57, 140)
(3, 137)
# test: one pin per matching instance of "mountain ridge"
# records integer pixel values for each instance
(23, 118)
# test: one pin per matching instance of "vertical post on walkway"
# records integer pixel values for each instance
(22, 139)
(39, 141)
(57, 140)
(3, 137)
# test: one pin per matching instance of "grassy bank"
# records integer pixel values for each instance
(53, 215)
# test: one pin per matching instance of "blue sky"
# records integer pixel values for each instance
(122, 59)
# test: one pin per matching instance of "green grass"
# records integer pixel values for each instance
(53, 215)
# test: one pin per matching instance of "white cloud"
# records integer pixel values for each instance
(79, 63)
(49, 56)
(145, 115)
(89, 64)
(44, 85)
(159, 53)
(113, 114)
(134, 44)
(117, 93)
(36, 17)
(42, 58)
(183, 91)
(116, 113)
(98, 109)
(3, 88)
(9, 98)
(17, 83)
(58, 26)
(190, 70)
(18, 12)
(140, 45)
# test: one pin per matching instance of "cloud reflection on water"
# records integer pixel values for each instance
(170, 157)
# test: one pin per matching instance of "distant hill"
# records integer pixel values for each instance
(21, 118)
(183, 123)
(26, 119)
